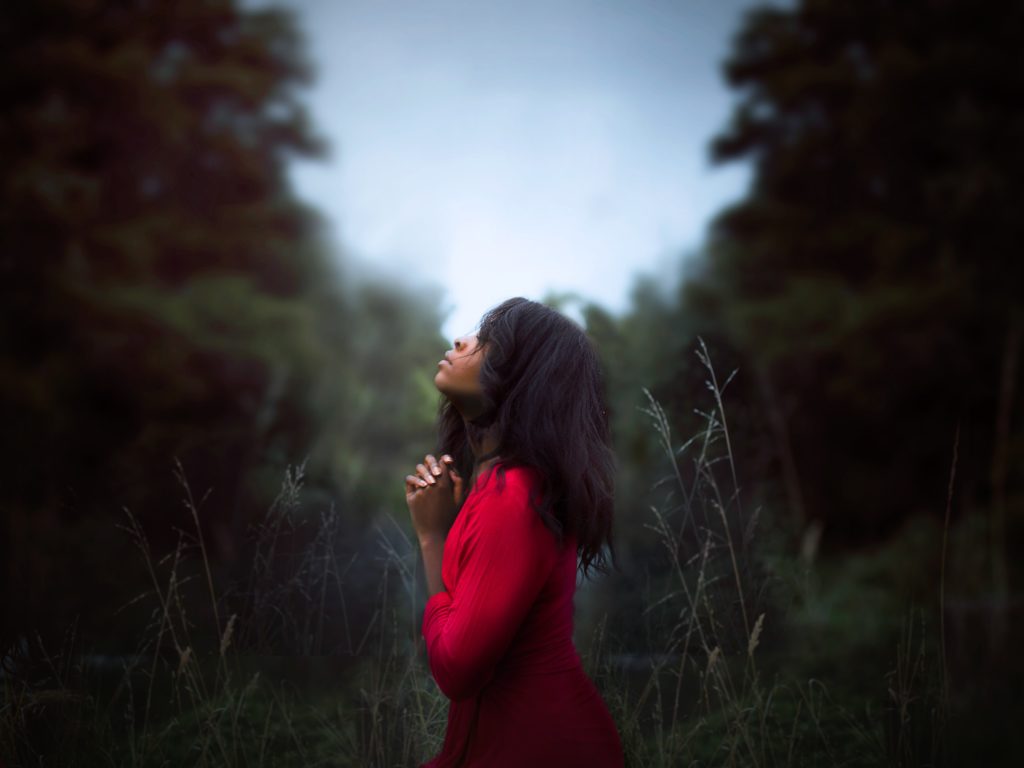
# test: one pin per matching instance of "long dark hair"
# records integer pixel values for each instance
(544, 397)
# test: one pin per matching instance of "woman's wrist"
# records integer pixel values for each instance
(432, 547)
(431, 540)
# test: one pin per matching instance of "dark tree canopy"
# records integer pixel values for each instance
(165, 295)
(872, 269)
(148, 227)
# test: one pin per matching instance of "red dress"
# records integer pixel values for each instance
(499, 641)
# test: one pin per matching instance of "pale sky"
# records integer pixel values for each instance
(511, 148)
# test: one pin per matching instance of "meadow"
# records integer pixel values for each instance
(770, 654)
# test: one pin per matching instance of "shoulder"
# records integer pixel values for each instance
(505, 513)
(507, 487)
(511, 481)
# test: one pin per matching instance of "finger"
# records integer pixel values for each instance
(414, 483)
(425, 473)
(432, 463)
(444, 472)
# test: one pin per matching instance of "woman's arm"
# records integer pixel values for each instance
(433, 495)
(432, 548)
(506, 554)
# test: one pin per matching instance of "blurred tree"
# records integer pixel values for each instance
(870, 276)
(164, 294)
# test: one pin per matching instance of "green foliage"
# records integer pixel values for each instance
(164, 295)
(872, 271)
(826, 674)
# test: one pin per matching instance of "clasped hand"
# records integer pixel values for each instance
(433, 494)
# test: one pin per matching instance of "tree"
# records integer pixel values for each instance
(871, 272)
(164, 294)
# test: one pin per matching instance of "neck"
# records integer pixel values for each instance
(488, 443)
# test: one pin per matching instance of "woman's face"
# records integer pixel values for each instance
(458, 373)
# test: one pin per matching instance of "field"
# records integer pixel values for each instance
(757, 653)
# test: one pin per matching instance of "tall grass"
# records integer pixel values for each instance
(220, 695)
(734, 716)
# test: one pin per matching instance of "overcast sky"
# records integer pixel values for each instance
(508, 148)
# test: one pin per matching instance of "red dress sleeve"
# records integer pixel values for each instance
(504, 554)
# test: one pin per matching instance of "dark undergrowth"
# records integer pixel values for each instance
(769, 658)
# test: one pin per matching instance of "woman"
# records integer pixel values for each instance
(522, 417)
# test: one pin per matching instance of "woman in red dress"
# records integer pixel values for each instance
(524, 418)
